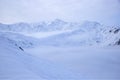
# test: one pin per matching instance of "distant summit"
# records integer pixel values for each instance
(55, 25)
(86, 33)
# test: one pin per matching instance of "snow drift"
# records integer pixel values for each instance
(59, 50)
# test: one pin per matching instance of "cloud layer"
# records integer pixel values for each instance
(104, 11)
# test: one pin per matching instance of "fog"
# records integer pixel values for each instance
(104, 11)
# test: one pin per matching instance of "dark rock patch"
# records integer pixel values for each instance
(116, 31)
(118, 42)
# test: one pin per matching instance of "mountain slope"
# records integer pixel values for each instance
(16, 64)
(88, 34)
(65, 33)
(55, 25)
(19, 60)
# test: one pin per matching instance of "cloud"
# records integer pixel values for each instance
(104, 11)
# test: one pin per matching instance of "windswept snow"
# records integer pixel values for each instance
(59, 50)
(89, 62)
(16, 64)
(80, 34)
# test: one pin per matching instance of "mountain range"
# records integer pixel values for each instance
(71, 34)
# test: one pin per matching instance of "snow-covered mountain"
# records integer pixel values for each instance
(17, 64)
(88, 34)
(59, 50)
(38, 27)
(74, 34)
(57, 63)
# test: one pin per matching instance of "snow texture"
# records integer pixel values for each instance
(59, 50)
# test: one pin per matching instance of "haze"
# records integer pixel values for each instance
(104, 11)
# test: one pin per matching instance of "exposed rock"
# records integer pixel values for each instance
(118, 42)
(116, 31)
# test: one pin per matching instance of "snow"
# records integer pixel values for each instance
(88, 62)
(48, 62)
(55, 25)
(16, 64)
(44, 34)
(59, 50)
(75, 34)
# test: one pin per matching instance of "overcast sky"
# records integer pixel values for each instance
(104, 11)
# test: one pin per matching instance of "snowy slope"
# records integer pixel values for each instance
(88, 34)
(11, 65)
(59, 50)
(19, 39)
(16, 64)
(61, 33)
(55, 25)
(57, 63)
(91, 63)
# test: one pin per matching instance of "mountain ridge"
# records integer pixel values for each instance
(74, 34)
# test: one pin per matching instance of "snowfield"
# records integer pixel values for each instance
(59, 51)
(18, 65)
(89, 62)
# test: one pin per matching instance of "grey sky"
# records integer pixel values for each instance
(104, 11)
